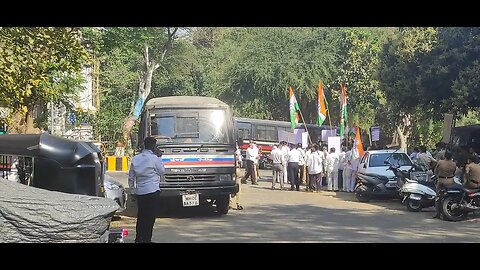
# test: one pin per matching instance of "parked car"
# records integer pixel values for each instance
(375, 176)
(114, 190)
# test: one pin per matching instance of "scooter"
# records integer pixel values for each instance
(418, 194)
(370, 185)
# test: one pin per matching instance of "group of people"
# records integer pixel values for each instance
(445, 167)
(313, 166)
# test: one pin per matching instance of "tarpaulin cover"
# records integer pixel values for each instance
(33, 215)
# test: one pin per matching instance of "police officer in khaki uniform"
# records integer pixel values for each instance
(445, 171)
(472, 174)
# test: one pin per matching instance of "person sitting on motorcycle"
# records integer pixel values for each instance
(445, 171)
(472, 174)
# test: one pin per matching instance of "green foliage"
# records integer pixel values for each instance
(471, 118)
(39, 65)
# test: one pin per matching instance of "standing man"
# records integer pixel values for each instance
(285, 152)
(252, 154)
(146, 169)
(301, 162)
(278, 161)
(293, 158)
(332, 170)
(315, 170)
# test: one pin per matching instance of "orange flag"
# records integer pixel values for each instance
(358, 142)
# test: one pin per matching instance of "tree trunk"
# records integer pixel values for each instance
(145, 83)
(403, 139)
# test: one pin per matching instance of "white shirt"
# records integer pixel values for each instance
(145, 171)
(277, 156)
(332, 162)
(294, 155)
(252, 153)
(314, 163)
(285, 152)
(303, 158)
(239, 154)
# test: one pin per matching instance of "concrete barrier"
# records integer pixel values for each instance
(117, 164)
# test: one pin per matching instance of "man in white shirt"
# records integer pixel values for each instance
(315, 170)
(285, 151)
(293, 159)
(278, 160)
(347, 157)
(146, 169)
(341, 167)
(332, 170)
(252, 154)
(301, 163)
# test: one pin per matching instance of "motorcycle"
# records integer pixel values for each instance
(418, 194)
(265, 162)
(457, 201)
(369, 185)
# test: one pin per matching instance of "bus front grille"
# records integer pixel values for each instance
(189, 178)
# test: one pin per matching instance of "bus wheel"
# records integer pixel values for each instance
(222, 204)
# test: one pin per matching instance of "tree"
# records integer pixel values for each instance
(154, 43)
(358, 61)
(38, 65)
(399, 71)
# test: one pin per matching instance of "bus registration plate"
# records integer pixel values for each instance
(190, 200)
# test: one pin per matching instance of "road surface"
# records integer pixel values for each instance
(292, 216)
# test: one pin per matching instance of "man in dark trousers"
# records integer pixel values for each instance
(146, 169)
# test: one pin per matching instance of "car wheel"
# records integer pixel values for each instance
(413, 205)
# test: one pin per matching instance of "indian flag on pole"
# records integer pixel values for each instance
(343, 109)
(322, 109)
(294, 108)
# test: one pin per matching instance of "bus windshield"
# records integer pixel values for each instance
(191, 126)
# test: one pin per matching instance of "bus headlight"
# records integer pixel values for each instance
(225, 177)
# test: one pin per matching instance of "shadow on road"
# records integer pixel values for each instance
(313, 223)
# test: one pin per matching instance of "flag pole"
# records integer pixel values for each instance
(305, 124)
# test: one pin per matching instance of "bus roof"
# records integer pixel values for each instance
(181, 101)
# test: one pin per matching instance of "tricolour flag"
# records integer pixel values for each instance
(358, 145)
(343, 109)
(322, 109)
(294, 108)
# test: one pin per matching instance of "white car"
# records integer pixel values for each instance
(373, 162)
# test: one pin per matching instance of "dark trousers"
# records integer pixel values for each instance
(147, 206)
(293, 175)
(250, 172)
(301, 169)
(340, 180)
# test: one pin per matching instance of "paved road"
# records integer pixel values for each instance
(291, 216)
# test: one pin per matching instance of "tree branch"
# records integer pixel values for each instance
(146, 56)
(168, 44)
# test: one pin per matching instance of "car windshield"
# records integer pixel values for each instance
(378, 160)
(191, 126)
